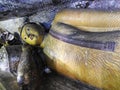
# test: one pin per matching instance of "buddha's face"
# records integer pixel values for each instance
(32, 34)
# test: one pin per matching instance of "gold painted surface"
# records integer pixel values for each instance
(95, 67)
(65, 29)
(90, 20)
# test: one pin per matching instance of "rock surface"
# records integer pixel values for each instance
(13, 14)
(7, 81)
(44, 10)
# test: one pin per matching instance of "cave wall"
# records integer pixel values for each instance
(13, 13)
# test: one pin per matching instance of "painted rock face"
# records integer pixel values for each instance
(90, 20)
(91, 57)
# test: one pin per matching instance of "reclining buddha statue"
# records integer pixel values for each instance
(81, 44)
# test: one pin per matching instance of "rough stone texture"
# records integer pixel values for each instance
(14, 11)
(51, 81)
(105, 4)
(12, 25)
(7, 81)
(17, 8)
(55, 81)
(44, 10)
